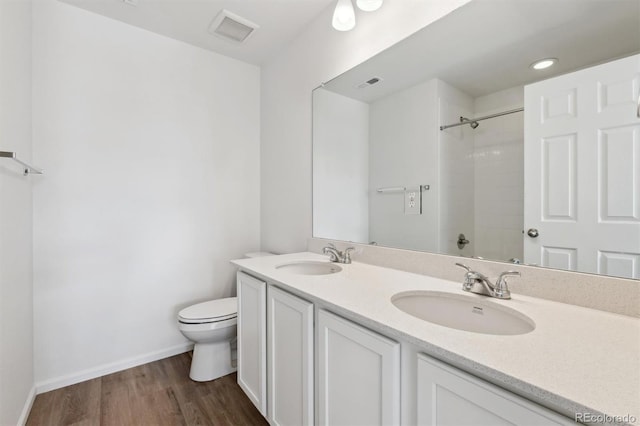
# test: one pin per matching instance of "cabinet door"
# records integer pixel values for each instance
(290, 359)
(252, 339)
(448, 396)
(358, 374)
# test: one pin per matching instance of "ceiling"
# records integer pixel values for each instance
(280, 21)
(487, 45)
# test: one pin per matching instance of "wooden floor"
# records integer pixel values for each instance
(159, 393)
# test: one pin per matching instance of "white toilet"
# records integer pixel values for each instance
(212, 327)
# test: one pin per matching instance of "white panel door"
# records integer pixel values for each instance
(582, 170)
(252, 339)
(290, 358)
(449, 397)
(358, 374)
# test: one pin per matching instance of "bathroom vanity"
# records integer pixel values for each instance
(447, 147)
(325, 344)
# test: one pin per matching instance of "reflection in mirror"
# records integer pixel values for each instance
(452, 142)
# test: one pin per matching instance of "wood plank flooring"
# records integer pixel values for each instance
(158, 393)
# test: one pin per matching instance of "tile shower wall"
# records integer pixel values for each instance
(456, 171)
(499, 176)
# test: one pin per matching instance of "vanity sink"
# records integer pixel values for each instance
(310, 267)
(463, 312)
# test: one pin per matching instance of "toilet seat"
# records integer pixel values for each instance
(209, 312)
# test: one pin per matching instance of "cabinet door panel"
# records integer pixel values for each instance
(358, 374)
(290, 359)
(448, 396)
(252, 339)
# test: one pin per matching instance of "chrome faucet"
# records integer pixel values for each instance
(475, 282)
(338, 256)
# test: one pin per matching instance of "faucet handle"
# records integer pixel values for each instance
(502, 279)
(464, 267)
(469, 277)
(501, 289)
(347, 254)
(332, 251)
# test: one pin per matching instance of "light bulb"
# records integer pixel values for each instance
(344, 17)
(369, 5)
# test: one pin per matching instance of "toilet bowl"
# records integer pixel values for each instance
(212, 327)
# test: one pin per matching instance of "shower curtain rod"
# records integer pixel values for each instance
(464, 121)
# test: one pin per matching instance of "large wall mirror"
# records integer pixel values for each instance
(452, 142)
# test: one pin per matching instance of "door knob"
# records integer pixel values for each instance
(533, 232)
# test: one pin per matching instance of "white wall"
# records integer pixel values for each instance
(456, 171)
(317, 55)
(151, 148)
(499, 176)
(341, 167)
(404, 153)
(16, 284)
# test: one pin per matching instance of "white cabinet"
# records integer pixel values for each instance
(252, 339)
(289, 359)
(448, 396)
(350, 375)
(358, 374)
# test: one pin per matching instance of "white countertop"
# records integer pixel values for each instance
(576, 360)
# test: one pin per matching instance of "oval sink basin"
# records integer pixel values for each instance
(463, 313)
(310, 267)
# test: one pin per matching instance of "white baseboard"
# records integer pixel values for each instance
(27, 406)
(92, 373)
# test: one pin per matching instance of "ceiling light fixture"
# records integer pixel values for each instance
(543, 63)
(369, 5)
(344, 17)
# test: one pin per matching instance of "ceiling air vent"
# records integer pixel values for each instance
(370, 82)
(232, 27)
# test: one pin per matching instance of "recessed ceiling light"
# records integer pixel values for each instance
(543, 63)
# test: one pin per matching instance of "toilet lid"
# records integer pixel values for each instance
(211, 311)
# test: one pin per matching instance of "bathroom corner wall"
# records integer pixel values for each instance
(341, 167)
(151, 148)
(287, 80)
(404, 152)
(16, 284)
(456, 164)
